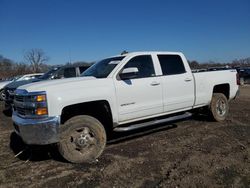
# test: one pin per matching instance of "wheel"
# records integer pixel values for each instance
(219, 107)
(82, 139)
(2, 95)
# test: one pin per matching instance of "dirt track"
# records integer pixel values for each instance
(191, 153)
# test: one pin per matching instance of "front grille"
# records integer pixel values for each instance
(19, 98)
(20, 111)
(24, 111)
(19, 105)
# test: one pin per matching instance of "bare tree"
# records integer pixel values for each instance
(36, 58)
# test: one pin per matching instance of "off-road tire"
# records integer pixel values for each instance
(219, 107)
(82, 139)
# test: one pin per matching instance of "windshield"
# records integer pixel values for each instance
(103, 68)
(48, 74)
(15, 78)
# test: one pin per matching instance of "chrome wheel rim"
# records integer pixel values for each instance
(83, 140)
(221, 107)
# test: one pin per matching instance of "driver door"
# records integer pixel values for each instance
(139, 96)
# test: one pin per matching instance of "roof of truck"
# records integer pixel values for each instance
(149, 52)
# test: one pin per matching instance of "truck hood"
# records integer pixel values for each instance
(57, 85)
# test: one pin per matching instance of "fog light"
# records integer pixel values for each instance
(41, 111)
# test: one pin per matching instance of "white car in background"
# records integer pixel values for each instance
(28, 76)
(17, 78)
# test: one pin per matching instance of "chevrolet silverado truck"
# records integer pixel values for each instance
(119, 93)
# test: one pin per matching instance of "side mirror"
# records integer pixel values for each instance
(129, 73)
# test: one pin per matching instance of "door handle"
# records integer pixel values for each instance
(188, 79)
(154, 83)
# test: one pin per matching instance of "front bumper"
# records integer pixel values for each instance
(37, 131)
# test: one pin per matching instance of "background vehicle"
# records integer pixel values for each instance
(244, 74)
(120, 93)
(58, 72)
(15, 79)
(29, 76)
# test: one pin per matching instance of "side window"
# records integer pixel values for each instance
(70, 72)
(27, 78)
(171, 64)
(82, 69)
(37, 76)
(145, 66)
(59, 74)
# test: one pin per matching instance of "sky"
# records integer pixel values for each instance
(84, 30)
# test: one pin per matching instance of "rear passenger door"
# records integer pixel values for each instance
(142, 95)
(178, 83)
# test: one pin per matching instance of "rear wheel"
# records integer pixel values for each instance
(82, 139)
(219, 107)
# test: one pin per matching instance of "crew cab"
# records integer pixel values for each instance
(119, 93)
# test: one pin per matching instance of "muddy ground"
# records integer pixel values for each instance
(191, 153)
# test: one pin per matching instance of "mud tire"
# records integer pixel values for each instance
(82, 139)
(219, 107)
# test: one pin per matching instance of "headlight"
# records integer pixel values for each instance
(31, 104)
(41, 105)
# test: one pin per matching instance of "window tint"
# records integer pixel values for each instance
(103, 68)
(82, 69)
(69, 72)
(144, 64)
(171, 64)
(37, 76)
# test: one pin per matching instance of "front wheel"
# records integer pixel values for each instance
(2, 95)
(82, 139)
(219, 107)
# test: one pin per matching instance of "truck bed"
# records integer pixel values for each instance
(205, 80)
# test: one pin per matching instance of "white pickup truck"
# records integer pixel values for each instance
(119, 93)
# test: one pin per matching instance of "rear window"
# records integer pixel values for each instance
(171, 64)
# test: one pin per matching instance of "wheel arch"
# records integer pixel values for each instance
(222, 88)
(99, 109)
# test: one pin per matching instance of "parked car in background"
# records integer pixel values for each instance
(29, 76)
(244, 74)
(58, 72)
(15, 79)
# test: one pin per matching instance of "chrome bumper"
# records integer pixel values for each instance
(37, 131)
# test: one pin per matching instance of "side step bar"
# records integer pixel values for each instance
(154, 122)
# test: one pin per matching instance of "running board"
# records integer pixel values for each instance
(154, 122)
